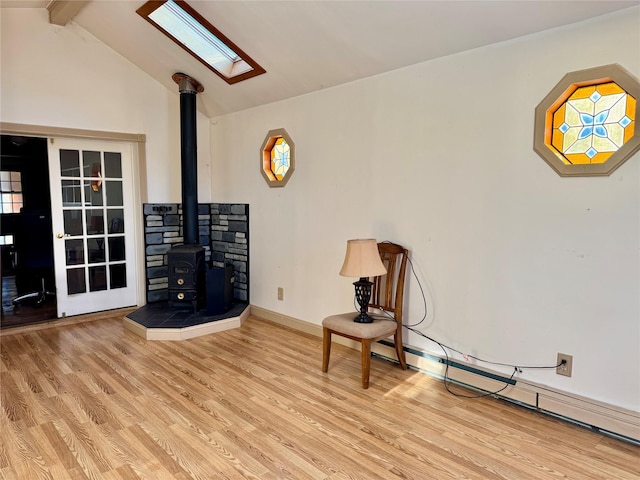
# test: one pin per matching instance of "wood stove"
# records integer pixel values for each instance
(186, 276)
(186, 262)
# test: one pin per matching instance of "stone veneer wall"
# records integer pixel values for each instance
(224, 234)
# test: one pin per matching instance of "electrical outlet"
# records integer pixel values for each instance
(566, 367)
(280, 293)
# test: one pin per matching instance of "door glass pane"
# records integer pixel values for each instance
(16, 181)
(112, 165)
(116, 249)
(114, 193)
(118, 275)
(69, 163)
(16, 200)
(91, 164)
(115, 220)
(95, 221)
(75, 281)
(72, 222)
(97, 278)
(74, 251)
(71, 194)
(95, 250)
(93, 193)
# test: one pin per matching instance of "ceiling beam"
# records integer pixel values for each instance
(62, 11)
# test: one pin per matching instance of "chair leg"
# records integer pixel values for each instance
(400, 352)
(326, 349)
(366, 362)
(401, 357)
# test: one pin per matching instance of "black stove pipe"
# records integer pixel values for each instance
(188, 88)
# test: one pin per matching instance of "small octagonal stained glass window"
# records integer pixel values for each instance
(280, 158)
(277, 157)
(587, 124)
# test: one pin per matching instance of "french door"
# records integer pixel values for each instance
(93, 227)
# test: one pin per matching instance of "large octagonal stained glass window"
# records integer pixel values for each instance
(587, 125)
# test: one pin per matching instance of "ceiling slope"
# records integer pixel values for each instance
(307, 46)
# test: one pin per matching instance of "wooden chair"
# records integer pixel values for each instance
(386, 296)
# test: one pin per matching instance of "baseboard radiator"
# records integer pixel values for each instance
(599, 416)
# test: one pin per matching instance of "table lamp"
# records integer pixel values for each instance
(362, 260)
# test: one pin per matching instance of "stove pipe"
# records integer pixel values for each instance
(188, 88)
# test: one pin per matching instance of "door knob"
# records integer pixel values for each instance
(62, 235)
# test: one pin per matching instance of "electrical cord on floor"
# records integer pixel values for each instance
(446, 379)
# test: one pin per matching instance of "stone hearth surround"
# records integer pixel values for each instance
(224, 234)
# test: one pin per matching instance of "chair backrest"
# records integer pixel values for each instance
(388, 290)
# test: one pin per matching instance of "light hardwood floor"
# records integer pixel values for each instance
(94, 401)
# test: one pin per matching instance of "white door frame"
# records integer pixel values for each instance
(139, 178)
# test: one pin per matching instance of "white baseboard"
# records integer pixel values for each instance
(591, 413)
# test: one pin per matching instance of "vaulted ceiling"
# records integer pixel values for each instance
(307, 46)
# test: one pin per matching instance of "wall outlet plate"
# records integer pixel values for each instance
(280, 293)
(566, 368)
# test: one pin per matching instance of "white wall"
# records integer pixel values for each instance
(65, 77)
(518, 264)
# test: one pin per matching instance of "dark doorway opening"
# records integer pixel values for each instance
(25, 231)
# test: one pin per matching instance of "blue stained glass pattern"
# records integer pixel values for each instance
(585, 132)
(595, 96)
(592, 124)
(586, 119)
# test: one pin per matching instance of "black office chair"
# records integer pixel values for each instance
(33, 241)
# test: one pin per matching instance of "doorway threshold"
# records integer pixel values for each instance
(158, 321)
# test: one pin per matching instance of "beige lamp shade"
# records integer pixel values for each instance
(362, 259)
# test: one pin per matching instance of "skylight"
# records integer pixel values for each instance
(191, 31)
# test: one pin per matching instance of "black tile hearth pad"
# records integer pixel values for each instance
(160, 315)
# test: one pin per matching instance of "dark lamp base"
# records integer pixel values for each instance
(363, 295)
(363, 318)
